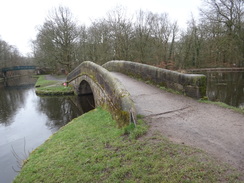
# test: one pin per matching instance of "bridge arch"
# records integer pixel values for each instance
(84, 88)
(108, 92)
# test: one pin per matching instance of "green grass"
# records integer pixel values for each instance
(50, 87)
(92, 149)
(224, 105)
(170, 90)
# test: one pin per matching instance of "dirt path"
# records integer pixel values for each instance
(214, 129)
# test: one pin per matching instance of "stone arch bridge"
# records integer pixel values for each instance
(90, 78)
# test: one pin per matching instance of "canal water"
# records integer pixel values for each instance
(226, 87)
(27, 120)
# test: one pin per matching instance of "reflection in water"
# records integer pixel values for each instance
(27, 120)
(84, 103)
(19, 82)
(59, 110)
(227, 87)
(12, 98)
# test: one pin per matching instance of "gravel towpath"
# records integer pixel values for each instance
(216, 130)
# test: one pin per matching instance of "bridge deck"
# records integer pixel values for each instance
(216, 130)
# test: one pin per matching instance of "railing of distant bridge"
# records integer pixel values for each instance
(14, 68)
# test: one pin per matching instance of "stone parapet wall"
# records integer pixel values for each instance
(108, 91)
(192, 85)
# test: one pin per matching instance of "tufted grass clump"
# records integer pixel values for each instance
(91, 149)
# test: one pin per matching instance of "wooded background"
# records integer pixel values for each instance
(215, 39)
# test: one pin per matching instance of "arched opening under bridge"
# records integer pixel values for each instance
(85, 96)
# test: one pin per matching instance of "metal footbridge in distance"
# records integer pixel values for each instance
(15, 68)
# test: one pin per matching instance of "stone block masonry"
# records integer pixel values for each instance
(107, 91)
(192, 85)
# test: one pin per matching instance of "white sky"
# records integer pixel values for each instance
(19, 18)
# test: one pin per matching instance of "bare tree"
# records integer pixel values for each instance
(142, 36)
(121, 33)
(100, 42)
(164, 33)
(57, 39)
(9, 55)
(228, 16)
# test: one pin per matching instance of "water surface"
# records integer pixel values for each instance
(26, 121)
(227, 87)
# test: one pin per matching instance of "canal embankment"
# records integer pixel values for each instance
(92, 149)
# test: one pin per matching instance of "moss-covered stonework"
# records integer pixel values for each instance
(108, 92)
(193, 85)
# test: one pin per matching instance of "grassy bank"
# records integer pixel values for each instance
(51, 87)
(221, 104)
(92, 149)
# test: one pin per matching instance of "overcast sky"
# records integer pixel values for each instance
(19, 18)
